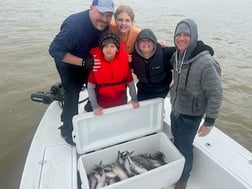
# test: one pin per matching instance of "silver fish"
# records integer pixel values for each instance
(92, 181)
(155, 162)
(117, 169)
(110, 174)
(127, 167)
(121, 160)
(158, 156)
(143, 161)
(100, 176)
(135, 167)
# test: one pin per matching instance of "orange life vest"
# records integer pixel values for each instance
(111, 78)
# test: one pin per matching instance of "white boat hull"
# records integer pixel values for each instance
(219, 162)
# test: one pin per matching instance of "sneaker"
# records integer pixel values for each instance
(67, 136)
(69, 140)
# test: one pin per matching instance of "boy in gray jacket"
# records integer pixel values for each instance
(196, 92)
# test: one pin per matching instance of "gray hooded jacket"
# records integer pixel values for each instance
(196, 89)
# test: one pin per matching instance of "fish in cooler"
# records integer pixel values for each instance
(127, 165)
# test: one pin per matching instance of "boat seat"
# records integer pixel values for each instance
(222, 153)
(58, 168)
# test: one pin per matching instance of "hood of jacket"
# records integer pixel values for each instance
(201, 46)
(146, 34)
(190, 27)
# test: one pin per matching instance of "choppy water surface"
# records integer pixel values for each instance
(27, 28)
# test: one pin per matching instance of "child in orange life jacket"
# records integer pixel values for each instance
(107, 87)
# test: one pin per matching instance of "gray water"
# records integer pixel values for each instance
(27, 28)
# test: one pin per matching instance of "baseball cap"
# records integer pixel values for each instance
(104, 5)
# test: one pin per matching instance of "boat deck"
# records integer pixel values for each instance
(52, 162)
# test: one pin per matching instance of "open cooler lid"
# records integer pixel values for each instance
(117, 124)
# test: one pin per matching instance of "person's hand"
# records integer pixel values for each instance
(98, 111)
(203, 130)
(162, 43)
(89, 64)
(134, 104)
(97, 64)
(129, 58)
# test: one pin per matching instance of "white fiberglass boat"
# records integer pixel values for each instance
(219, 161)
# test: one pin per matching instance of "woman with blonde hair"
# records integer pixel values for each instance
(123, 26)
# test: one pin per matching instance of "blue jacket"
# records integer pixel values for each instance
(77, 36)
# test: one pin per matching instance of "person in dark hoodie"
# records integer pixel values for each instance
(196, 92)
(151, 65)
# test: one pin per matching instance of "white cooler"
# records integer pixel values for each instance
(122, 128)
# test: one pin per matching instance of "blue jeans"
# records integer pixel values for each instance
(184, 129)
